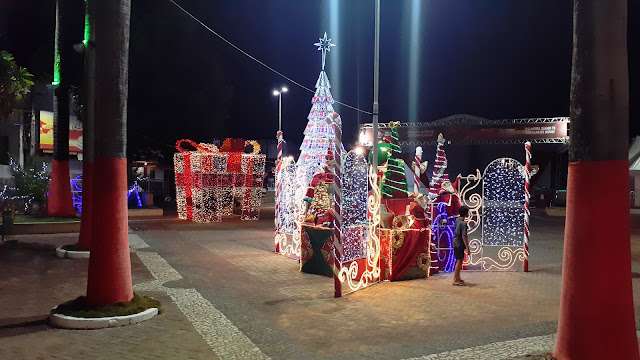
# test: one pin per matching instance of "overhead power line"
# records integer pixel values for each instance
(258, 60)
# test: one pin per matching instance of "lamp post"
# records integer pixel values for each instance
(279, 134)
(279, 93)
(280, 145)
(376, 80)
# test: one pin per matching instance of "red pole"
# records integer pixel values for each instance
(597, 318)
(110, 266)
(337, 285)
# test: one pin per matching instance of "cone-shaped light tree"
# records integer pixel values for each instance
(319, 135)
(88, 89)
(394, 181)
(110, 266)
(596, 308)
(68, 32)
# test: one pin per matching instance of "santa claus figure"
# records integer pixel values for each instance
(449, 195)
(319, 195)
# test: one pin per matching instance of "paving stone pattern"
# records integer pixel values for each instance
(225, 295)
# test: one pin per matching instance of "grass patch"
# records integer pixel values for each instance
(22, 219)
(79, 307)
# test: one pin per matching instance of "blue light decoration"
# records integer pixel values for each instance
(443, 229)
(135, 189)
(76, 193)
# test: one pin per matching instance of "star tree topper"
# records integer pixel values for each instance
(325, 46)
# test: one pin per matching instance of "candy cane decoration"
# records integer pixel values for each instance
(416, 170)
(280, 138)
(337, 194)
(337, 203)
(527, 213)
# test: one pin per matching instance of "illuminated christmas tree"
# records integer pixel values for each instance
(394, 181)
(439, 169)
(320, 133)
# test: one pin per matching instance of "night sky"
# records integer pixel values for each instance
(496, 59)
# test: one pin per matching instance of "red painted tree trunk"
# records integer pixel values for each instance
(596, 310)
(59, 201)
(110, 265)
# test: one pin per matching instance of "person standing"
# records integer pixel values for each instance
(460, 244)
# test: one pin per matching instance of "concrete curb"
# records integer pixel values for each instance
(70, 322)
(555, 211)
(69, 254)
(46, 228)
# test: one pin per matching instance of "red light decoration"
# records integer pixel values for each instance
(208, 181)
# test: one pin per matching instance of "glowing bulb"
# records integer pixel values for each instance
(364, 139)
(284, 89)
(276, 92)
(359, 150)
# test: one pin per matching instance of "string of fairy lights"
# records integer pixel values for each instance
(503, 211)
(354, 206)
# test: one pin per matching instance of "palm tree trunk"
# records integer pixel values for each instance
(110, 266)
(86, 224)
(596, 310)
(59, 198)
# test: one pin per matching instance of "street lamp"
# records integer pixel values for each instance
(279, 93)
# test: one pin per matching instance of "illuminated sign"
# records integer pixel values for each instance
(46, 133)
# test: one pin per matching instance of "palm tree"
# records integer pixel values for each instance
(110, 266)
(88, 113)
(59, 200)
(596, 310)
(15, 83)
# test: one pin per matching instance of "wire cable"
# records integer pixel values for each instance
(258, 60)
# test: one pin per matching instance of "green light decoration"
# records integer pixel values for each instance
(87, 24)
(394, 181)
(384, 152)
(56, 69)
(56, 50)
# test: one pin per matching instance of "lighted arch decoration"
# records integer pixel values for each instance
(500, 247)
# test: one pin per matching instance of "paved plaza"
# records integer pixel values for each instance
(225, 295)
